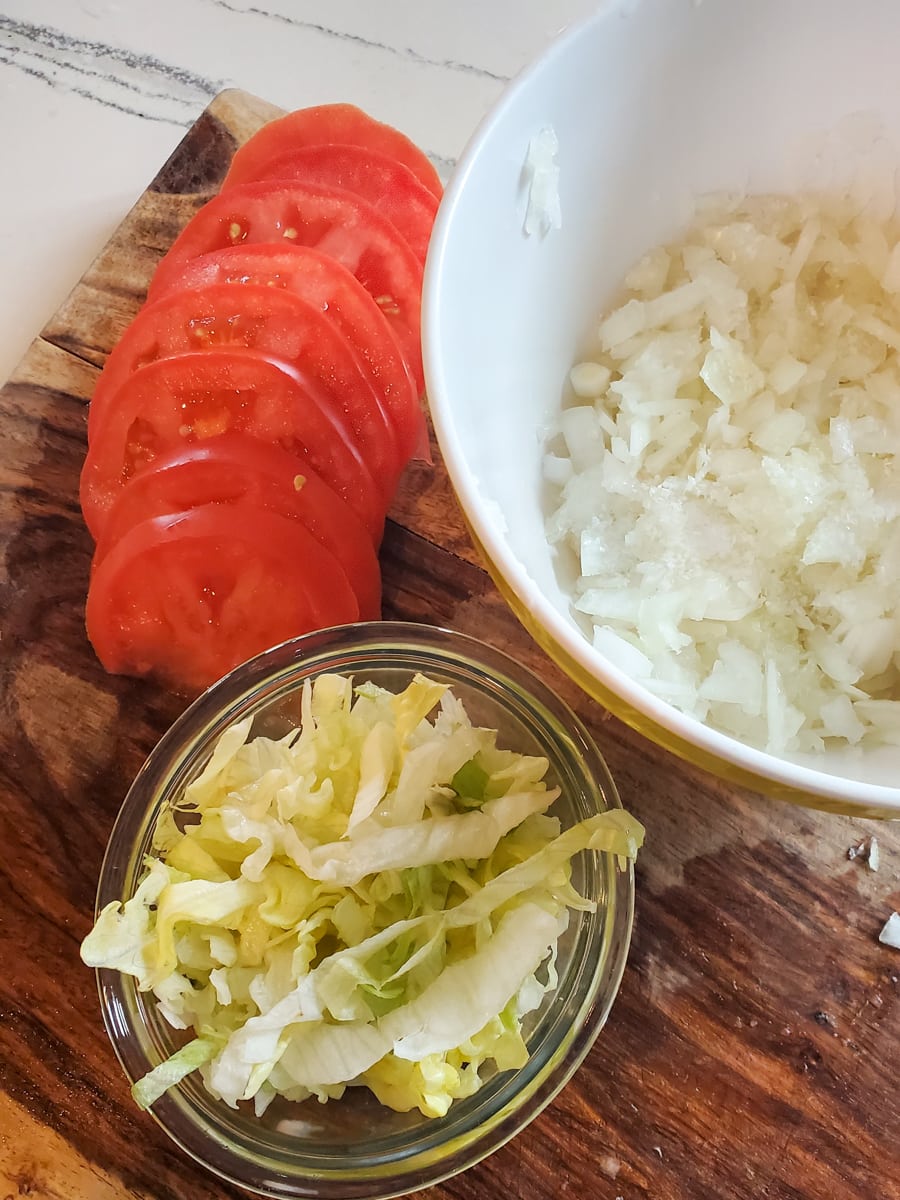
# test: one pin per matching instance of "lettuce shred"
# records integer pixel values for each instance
(374, 899)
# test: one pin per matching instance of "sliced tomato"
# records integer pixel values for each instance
(232, 469)
(187, 398)
(328, 124)
(382, 181)
(330, 287)
(186, 598)
(331, 220)
(283, 327)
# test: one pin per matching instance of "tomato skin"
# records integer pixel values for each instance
(184, 399)
(328, 124)
(378, 179)
(330, 287)
(186, 598)
(280, 325)
(233, 469)
(330, 220)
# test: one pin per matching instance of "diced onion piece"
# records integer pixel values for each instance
(542, 175)
(584, 438)
(729, 373)
(589, 380)
(622, 325)
(621, 653)
(890, 935)
(873, 858)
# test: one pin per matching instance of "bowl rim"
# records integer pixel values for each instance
(509, 1109)
(685, 735)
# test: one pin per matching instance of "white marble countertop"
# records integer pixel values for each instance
(94, 94)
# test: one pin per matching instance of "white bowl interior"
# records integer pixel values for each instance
(654, 103)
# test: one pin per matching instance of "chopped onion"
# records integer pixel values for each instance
(890, 935)
(541, 174)
(728, 475)
(874, 856)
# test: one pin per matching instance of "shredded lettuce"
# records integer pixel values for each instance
(158, 1081)
(373, 900)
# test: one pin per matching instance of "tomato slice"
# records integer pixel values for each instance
(186, 598)
(283, 327)
(382, 181)
(330, 287)
(187, 398)
(331, 220)
(328, 124)
(232, 469)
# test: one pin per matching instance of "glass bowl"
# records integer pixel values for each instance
(355, 1147)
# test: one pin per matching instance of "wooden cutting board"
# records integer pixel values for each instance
(753, 1051)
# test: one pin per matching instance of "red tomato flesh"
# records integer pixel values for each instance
(281, 326)
(187, 398)
(328, 286)
(331, 220)
(232, 469)
(382, 181)
(328, 124)
(186, 598)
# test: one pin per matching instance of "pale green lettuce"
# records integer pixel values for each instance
(374, 899)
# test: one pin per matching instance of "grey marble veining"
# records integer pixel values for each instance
(95, 94)
(139, 85)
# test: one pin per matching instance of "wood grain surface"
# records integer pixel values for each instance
(753, 1050)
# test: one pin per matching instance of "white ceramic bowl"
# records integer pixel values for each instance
(654, 103)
